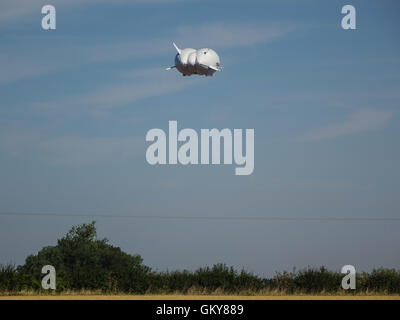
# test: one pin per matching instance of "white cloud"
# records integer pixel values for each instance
(225, 35)
(135, 85)
(70, 150)
(89, 150)
(153, 81)
(114, 95)
(15, 9)
(360, 121)
(35, 60)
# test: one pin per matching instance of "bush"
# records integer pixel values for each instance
(218, 277)
(83, 262)
(12, 280)
(381, 280)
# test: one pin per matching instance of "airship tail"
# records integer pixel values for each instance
(176, 47)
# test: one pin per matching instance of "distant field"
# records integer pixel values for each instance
(193, 297)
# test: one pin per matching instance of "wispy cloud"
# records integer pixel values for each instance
(225, 35)
(15, 9)
(131, 86)
(34, 61)
(360, 121)
(114, 95)
(78, 150)
(69, 150)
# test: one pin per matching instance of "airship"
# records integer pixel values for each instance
(190, 61)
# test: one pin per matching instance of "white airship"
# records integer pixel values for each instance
(189, 61)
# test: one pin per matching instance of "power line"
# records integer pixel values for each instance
(157, 217)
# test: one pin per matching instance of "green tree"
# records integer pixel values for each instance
(84, 262)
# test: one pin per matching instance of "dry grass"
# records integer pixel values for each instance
(194, 294)
(194, 297)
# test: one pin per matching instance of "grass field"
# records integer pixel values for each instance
(198, 297)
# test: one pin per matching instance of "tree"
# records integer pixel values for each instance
(84, 262)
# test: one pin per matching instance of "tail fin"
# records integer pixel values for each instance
(215, 68)
(176, 47)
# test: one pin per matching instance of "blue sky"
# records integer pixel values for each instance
(77, 102)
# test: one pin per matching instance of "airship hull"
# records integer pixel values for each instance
(204, 61)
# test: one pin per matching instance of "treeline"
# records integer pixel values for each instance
(83, 262)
